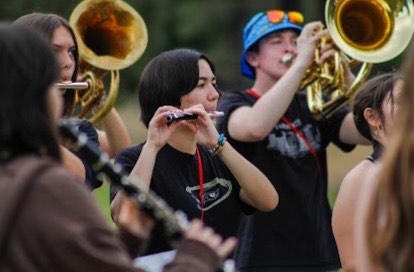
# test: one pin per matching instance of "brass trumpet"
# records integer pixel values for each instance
(111, 36)
(367, 31)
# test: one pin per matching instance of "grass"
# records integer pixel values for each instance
(339, 164)
(102, 197)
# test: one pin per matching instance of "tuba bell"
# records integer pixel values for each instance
(366, 32)
(111, 36)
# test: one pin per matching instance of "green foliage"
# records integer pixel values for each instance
(213, 26)
(102, 197)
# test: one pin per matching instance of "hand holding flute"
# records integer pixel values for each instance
(167, 118)
(183, 115)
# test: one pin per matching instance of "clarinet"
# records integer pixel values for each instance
(174, 223)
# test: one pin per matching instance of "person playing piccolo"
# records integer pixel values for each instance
(187, 162)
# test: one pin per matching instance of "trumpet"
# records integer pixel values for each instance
(365, 32)
(111, 36)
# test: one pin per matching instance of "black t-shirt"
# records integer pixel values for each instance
(297, 235)
(175, 178)
(86, 127)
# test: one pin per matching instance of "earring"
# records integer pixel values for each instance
(377, 130)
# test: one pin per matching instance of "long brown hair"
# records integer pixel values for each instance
(390, 219)
(46, 24)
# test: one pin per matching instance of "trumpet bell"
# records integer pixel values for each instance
(371, 31)
(365, 31)
(111, 34)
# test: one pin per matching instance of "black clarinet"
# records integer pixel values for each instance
(174, 222)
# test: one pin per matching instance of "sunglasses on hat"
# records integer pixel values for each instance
(277, 16)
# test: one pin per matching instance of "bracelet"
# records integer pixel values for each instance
(219, 146)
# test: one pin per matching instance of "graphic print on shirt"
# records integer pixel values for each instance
(215, 192)
(285, 141)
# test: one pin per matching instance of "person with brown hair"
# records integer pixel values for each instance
(385, 217)
(374, 107)
(115, 136)
(49, 221)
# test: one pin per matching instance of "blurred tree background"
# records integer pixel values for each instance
(214, 27)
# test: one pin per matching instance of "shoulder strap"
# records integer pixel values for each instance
(34, 173)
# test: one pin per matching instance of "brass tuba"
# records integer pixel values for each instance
(367, 31)
(111, 36)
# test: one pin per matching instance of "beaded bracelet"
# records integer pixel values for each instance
(219, 146)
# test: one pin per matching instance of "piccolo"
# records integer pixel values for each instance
(182, 115)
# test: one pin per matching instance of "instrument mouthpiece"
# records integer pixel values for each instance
(287, 58)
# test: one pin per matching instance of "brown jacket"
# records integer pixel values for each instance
(50, 222)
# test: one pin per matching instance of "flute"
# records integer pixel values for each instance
(73, 85)
(182, 115)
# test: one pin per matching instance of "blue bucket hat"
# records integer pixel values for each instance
(258, 27)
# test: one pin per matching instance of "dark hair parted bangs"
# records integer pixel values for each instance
(45, 24)
(372, 95)
(167, 78)
(28, 69)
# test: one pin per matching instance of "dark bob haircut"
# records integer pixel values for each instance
(46, 24)
(167, 78)
(372, 95)
(28, 69)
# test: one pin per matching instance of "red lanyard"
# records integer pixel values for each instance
(294, 128)
(201, 181)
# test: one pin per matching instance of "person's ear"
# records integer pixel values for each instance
(373, 120)
(251, 59)
(371, 116)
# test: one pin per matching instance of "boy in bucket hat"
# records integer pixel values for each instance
(271, 125)
(261, 25)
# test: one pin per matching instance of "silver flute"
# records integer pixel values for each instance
(73, 85)
(182, 115)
